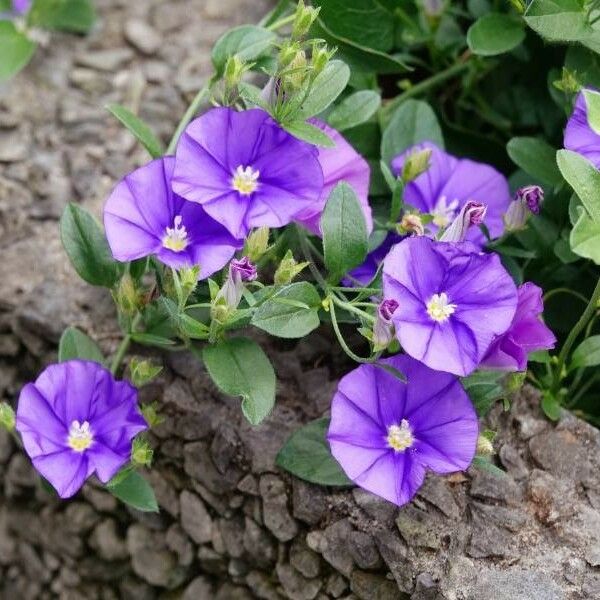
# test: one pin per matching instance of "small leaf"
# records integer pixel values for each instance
(584, 178)
(551, 406)
(585, 238)
(248, 42)
(485, 389)
(592, 100)
(138, 128)
(587, 354)
(485, 464)
(134, 490)
(326, 87)
(536, 157)
(392, 371)
(87, 247)
(16, 50)
(149, 339)
(309, 133)
(354, 110)
(345, 238)
(292, 312)
(494, 34)
(307, 455)
(77, 16)
(413, 121)
(239, 367)
(76, 344)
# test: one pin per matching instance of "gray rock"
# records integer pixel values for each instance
(142, 36)
(105, 60)
(363, 550)
(195, 520)
(107, 542)
(295, 585)
(199, 589)
(303, 559)
(276, 515)
(150, 558)
(179, 543)
(368, 586)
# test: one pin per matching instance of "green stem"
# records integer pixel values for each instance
(342, 341)
(124, 345)
(189, 115)
(309, 259)
(282, 22)
(563, 290)
(588, 313)
(352, 308)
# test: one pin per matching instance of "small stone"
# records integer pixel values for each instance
(275, 510)
(303, 559)
(232, 533)
(259, 545)
(150, 559)
(14, 146)
(363, 550)
(336, 585)
(195, 519)
(419, 528)
(199, 589)
(368, 586)
(334, 549)
(426, 588)
(105, 60)
(513, 462)
(107, 542)
(297, 587)
(179, 543)
(309, 501)
(490, 486)
(260, 585)
(80, 517)
(248, 485)
(142, 36)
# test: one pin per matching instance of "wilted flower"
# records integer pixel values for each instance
(383, 329)
(472, 213)
(527, 200)
(449, 183)
(385, 433)
(144, 217)
(245, 170)
(77, 420)
(579, 136)
(533, 196)
(527, 333)
(339, 163)
(453, 301)
(411, 223)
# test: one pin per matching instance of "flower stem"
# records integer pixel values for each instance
(342, 341)
(124, 345)
(588, 313)
(282, 22)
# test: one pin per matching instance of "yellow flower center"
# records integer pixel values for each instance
(245, 180)
(80, 437)
(438, 307)
(400, 437)
(176, 238)
(444, 211)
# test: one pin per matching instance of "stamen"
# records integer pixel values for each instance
(400, 437)
(438, 307)
(80, 437)
(444, 211)
(176, 238)
(245, 180)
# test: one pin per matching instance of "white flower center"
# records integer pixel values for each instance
(438, 307)
(245, 180)
(400, 437)
(176, 237)
(80, 437)
(444, 212)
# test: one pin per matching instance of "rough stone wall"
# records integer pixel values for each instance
(232, 526)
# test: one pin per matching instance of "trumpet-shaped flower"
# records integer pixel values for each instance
(579, 135)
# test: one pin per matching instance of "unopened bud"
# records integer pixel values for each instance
(533, 196)
(513, 382)
(7, 416)
(151, 415)
(141, 453)
(257, 243)
(230, 294)
(321, 55)
(234, 70)
(288, 269)
(383, 329)
(484, 446)
(568, 82)
(527, 200)
(416, 164)
(472, 213)
(288, 52)
(296, 71)
(519, 5)
(142, 371)
(305, 17)
(126, 296)
(411, 223)
(243, 269)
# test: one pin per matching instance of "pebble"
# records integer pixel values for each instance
(142, 36)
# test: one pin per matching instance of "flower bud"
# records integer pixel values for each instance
(141, 453)
(433, 9)
(383, 329)
(296, 71)
(411, 223)
(230, 295)
(305, 17)
(126, 296)
(7, 416)
(533, 196)
(484, 445)
(472, 213)
(288, 52)
(568, 83)
(288, 269)
(142, 371)
(150, 413)
(321, 55)
(243, 269)
(416, 164)
(513, 382)
(527, 200)
(519, 5)
(257, 243)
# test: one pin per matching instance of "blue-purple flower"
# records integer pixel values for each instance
(527, 333)
(453, 301)
(143, 217)
(77, 420)
(579, 135)
(449, 183)
(20, 7)
(385, 433)
(246, 171)
(364, 274)
(339, 163)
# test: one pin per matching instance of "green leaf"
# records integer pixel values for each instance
(76, 344)
(485, 464)
(587, 354)
(138, 128)
(585, 238)
(239, 367)
(584, 178)
(282, 318)
(309, 133)
(536, 157)
(551, 406)
(77, 16)
(307, 455)
(87, 247)
(16, 50)
(494, 34)
(413, 121)
(149, 339)
(485, 389)
(592, 100)
(134, 490)
(354, 110)
(345, 239)
(326, 87)
(248, 42)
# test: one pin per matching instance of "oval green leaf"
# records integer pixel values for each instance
(134, 490)
(326, 87)
(354, 110)
(536, 157)
(494, 34)
(76, 344)
(248, 42)
(138, 128)
(16, 50)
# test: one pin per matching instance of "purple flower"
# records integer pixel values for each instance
(449, 183)
(383, 329)
(144, 217)
(21, 6)
(386, 433)
(339, 163)
(532, 196)
(527, 333)
(364, 273)
(243, 269)
(245, 170)
(230, 294)
(453, 301)
(472, 213)
(76, 420)
(579, 136)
